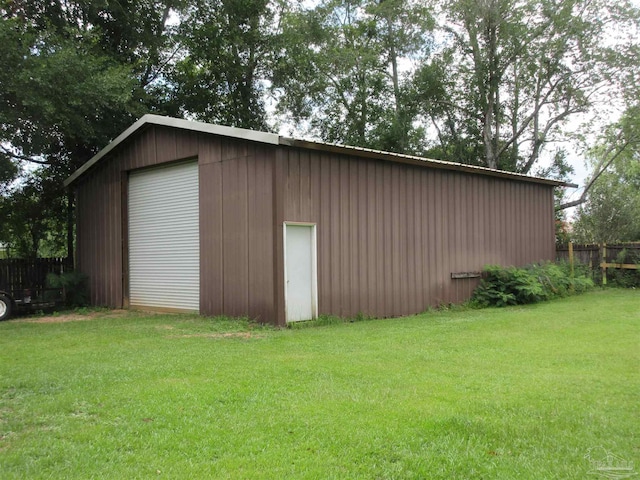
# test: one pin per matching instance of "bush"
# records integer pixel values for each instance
(503, 286)
(622, 277)
(75, 286)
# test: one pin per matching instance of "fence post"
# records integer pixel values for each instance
(603, 258)
(571, 257)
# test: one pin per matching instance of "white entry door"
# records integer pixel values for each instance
(300, 272)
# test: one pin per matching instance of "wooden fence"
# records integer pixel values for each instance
(20, 275)
(601, 257)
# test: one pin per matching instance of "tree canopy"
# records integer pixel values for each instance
(498, 83)
(610, 211)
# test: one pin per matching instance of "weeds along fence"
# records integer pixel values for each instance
(603, 259)
(18, 275)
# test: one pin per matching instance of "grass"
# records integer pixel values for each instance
(522, 392)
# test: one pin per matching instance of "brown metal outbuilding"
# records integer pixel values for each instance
(389, 231)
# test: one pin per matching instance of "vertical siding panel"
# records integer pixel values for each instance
(516, 196)
(417, 254)
(550, 250)
(506, 218)
(449, 243)
(260, 236)
(498, 214)
(209, 149)
(438, 237)
(253, 232)
(458, 222)
(186, 144)
(313, 159)
(406, 230)
(448, 246)
(395, 239)
(99, 236)
(362, 241)
(335, 250)
(166, 147)
(426, 229)
(352, 231)
(520, 238)
(542, 227)
(325, 227)
(234, 233)
(345, 253)
(382, 231)
(279, 195)
(432, 227)
(292, 203)
(113, 235)
(304, 198)
(466, 228)
(211, 241)
(371, 240)
(478, 239)
(148, 148)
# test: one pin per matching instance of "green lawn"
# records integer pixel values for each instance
(522, 392)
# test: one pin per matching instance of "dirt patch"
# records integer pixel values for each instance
(218, 335)
(74, 317)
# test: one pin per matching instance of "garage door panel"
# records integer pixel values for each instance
(164, 237)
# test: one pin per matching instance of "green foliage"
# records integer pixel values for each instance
(625, 278)
(517, 70)
(75, 286)
(339, 73)
(503, 286)
(610, 213)
(33, 214)
(229, 48)
(74, 75)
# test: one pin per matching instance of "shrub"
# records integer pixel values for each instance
(75, 286)
(622, 277)
(503, 286)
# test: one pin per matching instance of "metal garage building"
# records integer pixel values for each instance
(188, 216)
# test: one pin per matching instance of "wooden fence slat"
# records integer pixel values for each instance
(600, 257)
(18, 275)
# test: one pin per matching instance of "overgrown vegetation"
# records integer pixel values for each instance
(74, 285)
(625, 278)
(503, 286)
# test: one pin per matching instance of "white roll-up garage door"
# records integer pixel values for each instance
(164, 238)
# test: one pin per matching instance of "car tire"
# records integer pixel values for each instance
(5, 307)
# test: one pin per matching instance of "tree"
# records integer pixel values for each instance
(610, 204)
(34, 216)
(75, 74)
(339, 71)
(611, 211)
(228, 50)
(519, 69)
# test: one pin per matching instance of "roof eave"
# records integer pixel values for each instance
(274, 139)
(414, 160)
(159, 120)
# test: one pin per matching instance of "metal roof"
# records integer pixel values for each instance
(274, 139)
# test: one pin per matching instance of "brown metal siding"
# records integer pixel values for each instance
(390, 235)
(236, 219)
